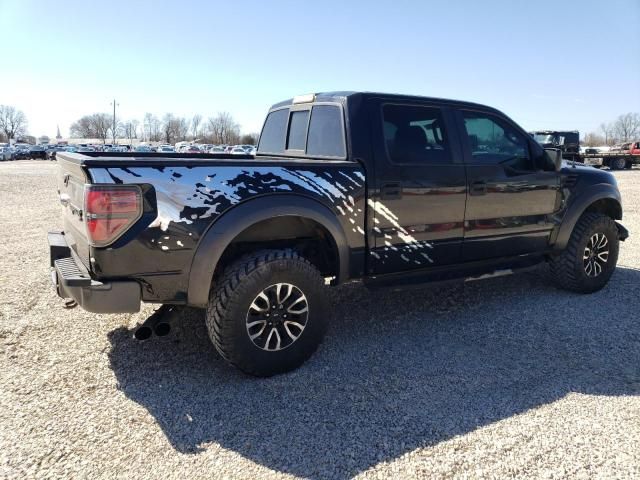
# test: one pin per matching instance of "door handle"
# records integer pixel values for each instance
(478, 188)
(391, 191)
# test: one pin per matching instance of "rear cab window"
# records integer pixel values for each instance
(315, 131)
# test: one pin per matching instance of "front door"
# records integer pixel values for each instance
(512, 192)
(419, 197)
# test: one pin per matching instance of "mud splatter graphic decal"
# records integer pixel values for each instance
(190, 198)
(412, 251)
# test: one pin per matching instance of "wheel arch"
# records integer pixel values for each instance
(231, 224)
(601, 198)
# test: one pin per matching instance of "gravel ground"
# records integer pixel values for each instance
(501, 378)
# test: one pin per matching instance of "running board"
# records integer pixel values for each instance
(497, 273)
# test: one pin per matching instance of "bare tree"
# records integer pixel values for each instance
(97, 125)
(249, 139)
(13, 123)
(168, 127)
(146, 126)
(608, 132)
(224, 129)
(592, 139)
(196, 120)
(181, 128)
(82, 128)
(102, 123)
(174, 128)
(152, 127)
(627, 126)
(130, 130)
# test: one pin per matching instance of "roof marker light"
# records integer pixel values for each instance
(308, 98)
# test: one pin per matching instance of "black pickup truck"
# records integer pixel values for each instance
(387, 189)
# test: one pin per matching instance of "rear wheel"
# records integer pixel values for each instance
(588, 261)
(267, 313)
(618, 164)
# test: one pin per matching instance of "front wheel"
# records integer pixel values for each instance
(590, 257)
(267, 313)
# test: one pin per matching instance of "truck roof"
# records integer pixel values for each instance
(344, 96)
(549, 132)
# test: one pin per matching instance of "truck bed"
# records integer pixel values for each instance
(118, 159)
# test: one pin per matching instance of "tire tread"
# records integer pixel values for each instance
(563, 266)
(223, 292)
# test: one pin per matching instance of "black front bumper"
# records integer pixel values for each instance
(72, 280)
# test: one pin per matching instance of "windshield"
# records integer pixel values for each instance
(544, 138)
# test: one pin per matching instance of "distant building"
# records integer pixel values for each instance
(43, 140)
(58, 136)
(31, 140)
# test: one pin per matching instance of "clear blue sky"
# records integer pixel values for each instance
(548, 64)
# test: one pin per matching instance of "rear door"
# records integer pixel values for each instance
(418, 199)
(512, 191)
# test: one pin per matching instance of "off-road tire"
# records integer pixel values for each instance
(232, 295)
(568, 269)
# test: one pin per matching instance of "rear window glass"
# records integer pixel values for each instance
(318, 132)
(273, 133)
(298, 130)
(325, 132)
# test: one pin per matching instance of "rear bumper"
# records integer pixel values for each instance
(71, 279)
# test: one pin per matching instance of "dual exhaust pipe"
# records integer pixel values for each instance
(158, 323)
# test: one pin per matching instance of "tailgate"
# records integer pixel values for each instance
(70, 182)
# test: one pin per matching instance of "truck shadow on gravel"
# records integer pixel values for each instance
(397, 371)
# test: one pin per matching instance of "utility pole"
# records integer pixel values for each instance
(113, 129)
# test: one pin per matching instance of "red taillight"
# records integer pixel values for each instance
(110, 211)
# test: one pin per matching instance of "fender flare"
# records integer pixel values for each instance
(240, 217)
(578, 206)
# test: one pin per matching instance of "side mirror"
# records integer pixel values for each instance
(555, 155)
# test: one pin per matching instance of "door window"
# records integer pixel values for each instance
(415, 135)
(493, 141)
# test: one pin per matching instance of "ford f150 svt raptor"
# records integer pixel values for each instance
(389, 189)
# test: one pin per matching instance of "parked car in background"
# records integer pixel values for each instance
(621, 147)
(190, 149)
(216, 150)
(238, 151)
(21, 151)
(37, 152)
(166, 149)
(143, 148)
(6, 153)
